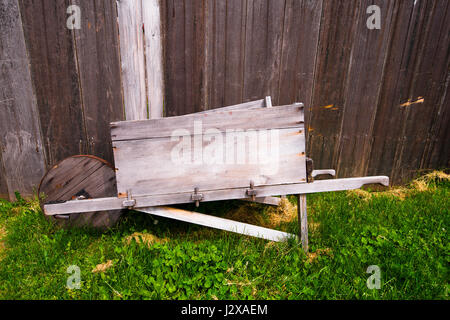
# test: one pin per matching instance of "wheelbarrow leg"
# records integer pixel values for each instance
(303, 221)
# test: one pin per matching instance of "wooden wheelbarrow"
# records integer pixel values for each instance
(251, 151)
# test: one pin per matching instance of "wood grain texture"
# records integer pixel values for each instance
(214, 195)
(337, 32)
(219, 223)
(22, 157)
(148, 166)
(425, 92)
(133, 59)
(151, 17)
(4, 194)
(280, 117)
(303, 220)
(86, 176)
(369, 52)
(97, 49)
(412, 91)
(55, 77)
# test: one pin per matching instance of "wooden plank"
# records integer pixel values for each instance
(22, 155)
(404, 56)
(97, 48)
(151, 16)
(175, 58)
(426, 89)
(114, 203)
(132, 58)
(299, 50)
(4, 194)
(219, 223)
(275, 29)
(217, 93)
(337, 32)
(364, 78)
(256, 39)
(55, 77)
(439, 151)
(274, 118)
(437, 154)
(151, 166)
(244, 106)
(386, 126)
(303, 220)
(234, 55)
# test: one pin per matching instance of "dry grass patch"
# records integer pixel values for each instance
(274, 215)
(102, 267)
(421, 184)
(312, 256)
(144, 238)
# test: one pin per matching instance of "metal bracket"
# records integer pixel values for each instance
(130, 202)
(197, 197)
(251, 192)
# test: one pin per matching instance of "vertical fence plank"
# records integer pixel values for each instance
(234, 62)
(55, 77)
(333, 57)
(151, 16)
(437, 153)
(97, 52)
(175, 58)
(422, 13)
(132, 57)
(365, 74)
(217, 94)
(256, 67)
(22, 154)
(426, 90)
(4, 193)
(386, 126)
(299, 50)
(404, 57)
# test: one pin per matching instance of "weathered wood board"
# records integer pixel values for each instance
(114, 203)
(213, 151)
(22, 159)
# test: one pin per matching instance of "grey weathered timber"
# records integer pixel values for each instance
(22, 154)
(149, 167)
(330, 172)
(218, 223)
(242, 106)
(149, 164)
(151, 19)
(267, 102)
(303, 220)
(98, 66)
(281, 117)
(132, 58)
(236, 193)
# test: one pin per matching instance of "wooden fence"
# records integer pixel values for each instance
(377, 99)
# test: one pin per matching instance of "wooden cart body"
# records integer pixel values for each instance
(250, 151)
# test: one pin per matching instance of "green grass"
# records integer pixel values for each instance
(406, 238)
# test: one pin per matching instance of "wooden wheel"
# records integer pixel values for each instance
(80, 177)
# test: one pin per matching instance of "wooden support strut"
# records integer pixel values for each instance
(114, 203)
